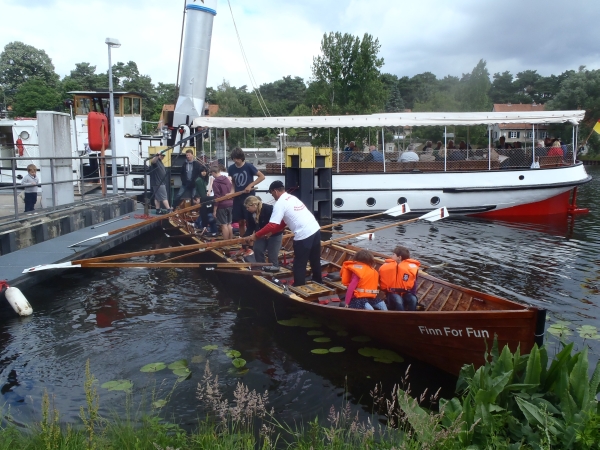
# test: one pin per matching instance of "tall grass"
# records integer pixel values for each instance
(399, 421)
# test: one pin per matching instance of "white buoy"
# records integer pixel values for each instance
(18, 301)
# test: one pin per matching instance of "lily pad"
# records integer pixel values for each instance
(300, 322)
(361, 338)
(233, 353)
(337, 350)
(380, 355)
(238, 362)
(118, 385)
(322, 339)
(197, 359)
(559, 329)
(588, 332)
(208, 348)
(383, 360)
(182, 371)
(319, 351)
(335, 327)
(181, 364)
(342, 333)
(238, 372)
(153, 367)
(315, 333)
(159, 404)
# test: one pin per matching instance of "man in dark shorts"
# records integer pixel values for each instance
(158, 177)
(242, 174)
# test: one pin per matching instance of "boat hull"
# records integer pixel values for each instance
(446, 340)
(495, 193)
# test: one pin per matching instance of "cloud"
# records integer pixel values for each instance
(281, 38)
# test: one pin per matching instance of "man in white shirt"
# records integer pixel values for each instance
(290, 211)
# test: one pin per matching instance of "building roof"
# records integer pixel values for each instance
(520, 107)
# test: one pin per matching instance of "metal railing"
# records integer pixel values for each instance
(446, 160)
(8, 166)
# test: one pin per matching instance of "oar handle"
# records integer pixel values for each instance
(174, 213)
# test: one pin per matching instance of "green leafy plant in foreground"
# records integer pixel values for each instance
(515, 400)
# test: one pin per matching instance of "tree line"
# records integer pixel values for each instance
(347, 78)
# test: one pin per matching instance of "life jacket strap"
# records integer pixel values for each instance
(367, 291)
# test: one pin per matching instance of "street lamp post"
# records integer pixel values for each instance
(112, 43)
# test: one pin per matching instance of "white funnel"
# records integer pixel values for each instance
(194, 64)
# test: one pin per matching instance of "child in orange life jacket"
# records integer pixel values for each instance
(398, 278)
(362, 281)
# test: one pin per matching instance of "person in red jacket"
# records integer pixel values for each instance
(362, 281)
(398, 279)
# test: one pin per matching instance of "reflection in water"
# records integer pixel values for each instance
(122, 320)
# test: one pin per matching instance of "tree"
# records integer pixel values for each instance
(283, 96)
(581, 90)
(502, 89)
(525, 83)
(166, 94)
(346, 77)
(35, 95)
(394, 101)
(20, 62)
(474, 89)
(86, 77)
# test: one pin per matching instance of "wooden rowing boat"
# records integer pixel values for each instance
(453, 327)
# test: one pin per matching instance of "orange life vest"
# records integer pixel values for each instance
(393, 275)
(368, 278)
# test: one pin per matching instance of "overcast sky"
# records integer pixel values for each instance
(280, 37)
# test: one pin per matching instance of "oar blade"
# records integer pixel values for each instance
(366, 236)
(76, 244)
(435, 215)
(66, 265)
(398, 210)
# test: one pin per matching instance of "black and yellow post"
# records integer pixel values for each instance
(308, 176)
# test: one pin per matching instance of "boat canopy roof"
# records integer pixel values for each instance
(393, 120)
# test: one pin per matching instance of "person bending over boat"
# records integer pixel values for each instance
(257, 216)
(221, 187)
(242, 174)
(290, 211)
(362, 281)
(206, 221)
(398, 279)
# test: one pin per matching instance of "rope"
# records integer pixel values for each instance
(259, 97)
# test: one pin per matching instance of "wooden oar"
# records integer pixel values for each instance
(160, 251)
(431, 216)
(141, 265)
(158, 218)
(394, 212)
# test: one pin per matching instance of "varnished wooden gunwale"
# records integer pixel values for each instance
(425, 335)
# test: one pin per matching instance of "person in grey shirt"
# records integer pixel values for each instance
(409, 155)
(158, 177)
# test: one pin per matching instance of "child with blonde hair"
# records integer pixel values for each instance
(30, 181)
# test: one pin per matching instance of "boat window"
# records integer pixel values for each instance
(83, 106)
(338, 202)
(402, 200)
(435, 201)
(137, 107)
(371, 201)
(127, 105)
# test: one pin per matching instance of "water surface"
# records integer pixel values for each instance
(121, 320)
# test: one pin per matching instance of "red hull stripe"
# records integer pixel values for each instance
(554, 205)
